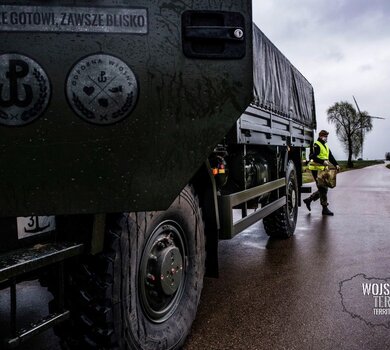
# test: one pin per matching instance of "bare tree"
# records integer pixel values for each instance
(351, 127)
(387, 155)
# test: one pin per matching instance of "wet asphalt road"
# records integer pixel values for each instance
(301, 293)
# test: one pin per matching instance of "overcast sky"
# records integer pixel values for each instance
(343, 48)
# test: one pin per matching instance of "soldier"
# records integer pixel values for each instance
(320, 157)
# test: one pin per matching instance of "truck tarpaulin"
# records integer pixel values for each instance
(278, 85)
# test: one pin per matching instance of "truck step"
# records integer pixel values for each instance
(36, 328)
(20, 261)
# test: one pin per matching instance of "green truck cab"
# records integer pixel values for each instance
(130, 131)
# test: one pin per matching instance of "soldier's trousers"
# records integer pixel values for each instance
(321, 193)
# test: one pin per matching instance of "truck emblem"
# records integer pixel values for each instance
(102, 89)
(24, 90)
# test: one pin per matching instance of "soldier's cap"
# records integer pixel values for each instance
(323, 133)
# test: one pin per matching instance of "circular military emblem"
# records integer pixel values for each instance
(102, 89)
(24, 90)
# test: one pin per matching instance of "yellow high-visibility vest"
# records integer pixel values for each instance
(324, 155)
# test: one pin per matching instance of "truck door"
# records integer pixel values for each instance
(108, 106)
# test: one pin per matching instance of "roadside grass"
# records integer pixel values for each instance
(388, 166)
(358, 164)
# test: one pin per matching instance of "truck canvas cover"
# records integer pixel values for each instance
(278, 85)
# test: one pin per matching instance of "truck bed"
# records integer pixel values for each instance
(260, 126)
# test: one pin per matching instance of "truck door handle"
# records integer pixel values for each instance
(214, 34)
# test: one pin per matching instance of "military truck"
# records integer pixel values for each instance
(131, 132)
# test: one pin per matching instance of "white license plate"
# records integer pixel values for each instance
(35, 225)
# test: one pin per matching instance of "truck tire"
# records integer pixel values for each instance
(282, 222)
(143, 291)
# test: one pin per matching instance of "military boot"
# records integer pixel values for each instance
(326, 211)
(307, 201)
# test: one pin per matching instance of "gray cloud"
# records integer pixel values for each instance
(343, 49)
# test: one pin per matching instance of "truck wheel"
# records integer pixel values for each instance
(143, 291)
(282, 222)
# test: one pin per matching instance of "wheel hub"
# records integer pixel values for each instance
(170, 269)
(291, 200)
(162, 271)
